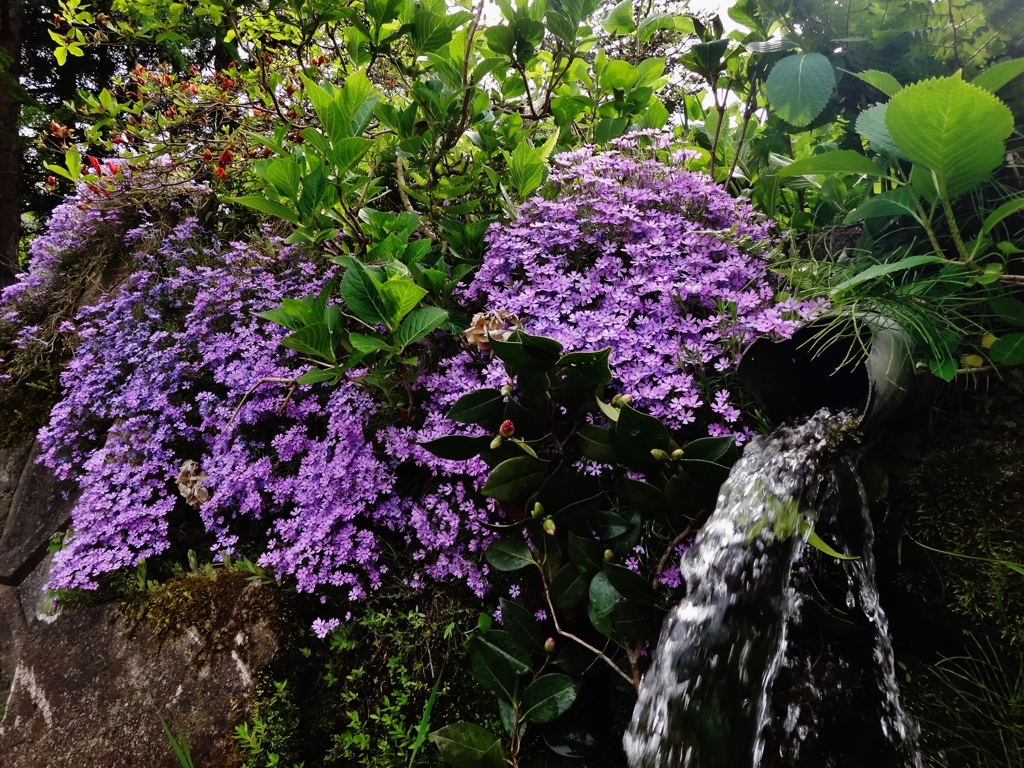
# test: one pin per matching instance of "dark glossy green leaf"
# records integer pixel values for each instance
(569, 588)
(548, 697)
(457, 447)
(493, 671)
(367, 344)
(317, 375)
(465, 745)
(361, 293)
(508, 648)
(603, 597)
(639, 433)
(587, 370)
(484, 407)
(515, 479)
(630, 585)
(282, 317)
(634, 623)
(570, 742)
(579, 509)
(609, 525)
(712, 449)
(509, 553)
(521, 625)
(587, 554)
(595, 444)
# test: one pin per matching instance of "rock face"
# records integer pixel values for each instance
(88, 686)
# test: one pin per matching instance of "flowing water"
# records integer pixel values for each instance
(704, 701)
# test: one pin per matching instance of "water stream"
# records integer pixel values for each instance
(704, 701)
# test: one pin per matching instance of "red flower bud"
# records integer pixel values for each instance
(54, 128)
(549, 645)
(221, 173)
(51, 181)
(95, 165)
(507, 428)
(225, 157)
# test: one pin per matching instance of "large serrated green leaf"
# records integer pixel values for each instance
(800, 86)
(953, 128)
(362, 295)
(315, 339)
(429, 32)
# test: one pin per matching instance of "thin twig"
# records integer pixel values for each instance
(668, 553)
(265, 380)
(584, 643)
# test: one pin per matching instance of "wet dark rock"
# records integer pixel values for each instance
(38, 508)
(12, 463)
(85, 688)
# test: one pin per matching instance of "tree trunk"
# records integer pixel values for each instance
(10, 141)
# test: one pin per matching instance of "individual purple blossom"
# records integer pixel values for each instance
(322, 628)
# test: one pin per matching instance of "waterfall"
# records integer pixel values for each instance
(704, 701)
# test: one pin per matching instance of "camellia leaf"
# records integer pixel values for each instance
(465, 745)
(838, 161)
(953, 128)
(569, 587)
(457, 447)
(548, 697)
(521, 625)
(493, 671)
(508, 554)
(871, 125)
(639, 433)
(800, 86)
(515, 479)
(483, 406)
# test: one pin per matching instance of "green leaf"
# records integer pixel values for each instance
(871, 125)
(501, 40)
(674, 22)
(492, 671)
(508, 554)
(952, 128)
(569, 587)
(895, 202)
(595, 444)
(515, 479)
(526, 169)
(619, 20)
(465, 745)
(800, 86)
(883, 81)
(282, 317)
(1000, 213)
(457, 447)
(361, 292)
(838, 161)
(1008, 350)
(634, 623)
(367, 344)
(1008, 309)
(61, 54)
(880, 270)
(267, 206)
(400, 295)
(548, 697)
(317, 375)
(484, 407)
(429, 33)
(73, 160)
(618, 74)
(998, 75)
(521, 625)
(815, 541)
(610, 128)
(508, 649)
(315, 339)
(711, 448)
(603, 597)
(348, 151)
(630, 585)
(639, 433)
(587, 554)
(418, 324)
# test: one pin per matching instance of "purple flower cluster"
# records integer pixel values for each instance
(162, 366)
(638, 254)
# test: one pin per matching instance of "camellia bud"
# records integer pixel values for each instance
(659, 455)
(549, 527)
(496, 443)
(609, 555)
(507, 428)
(506, 390)
(626, 399)
(677, 454)
(549, 645)
(538, 510)
(615, 400)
